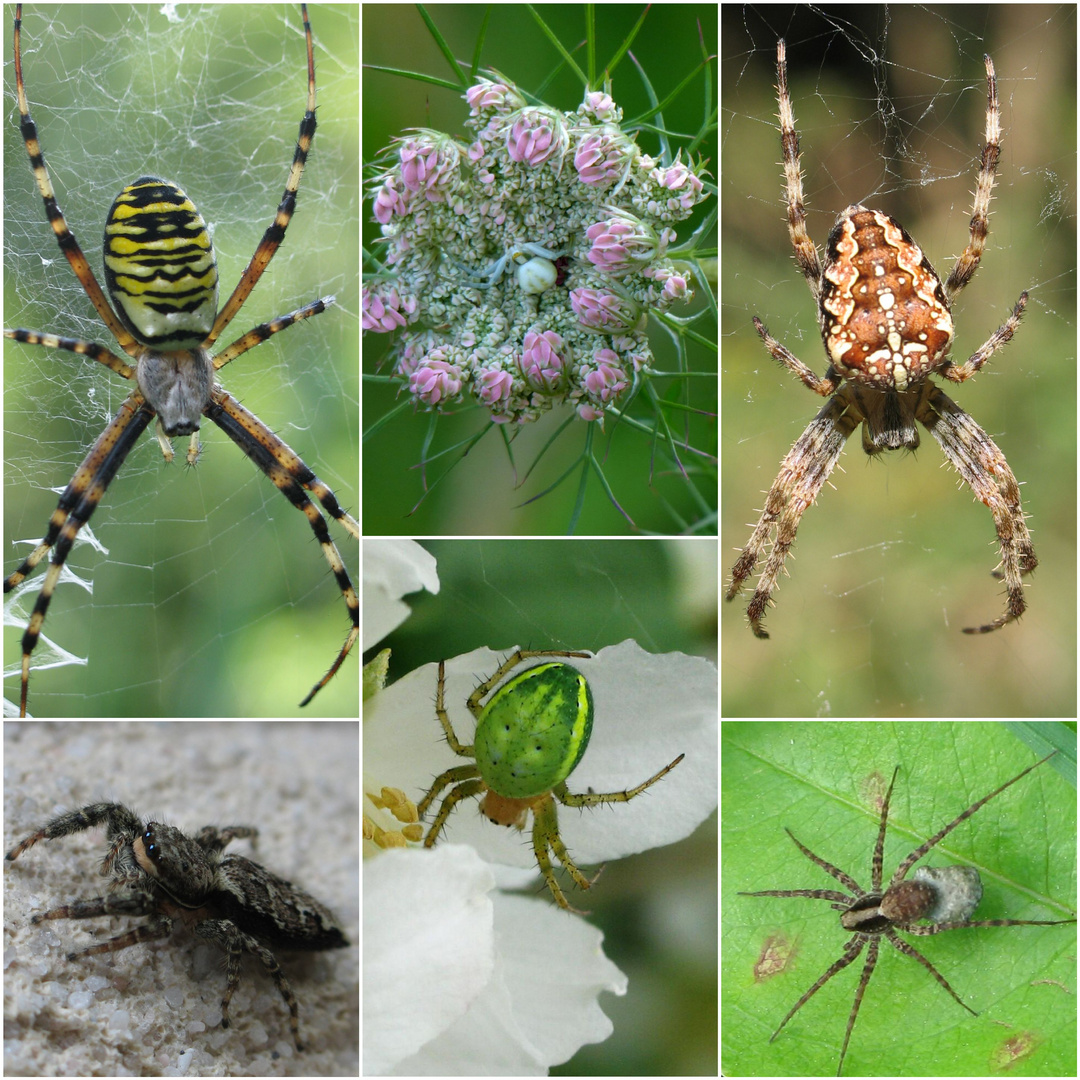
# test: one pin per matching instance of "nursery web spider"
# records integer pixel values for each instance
(946, 897)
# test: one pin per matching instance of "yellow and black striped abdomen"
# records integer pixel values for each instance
(159, 265)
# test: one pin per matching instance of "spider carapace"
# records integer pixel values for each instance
(886, 323)
(162, 277)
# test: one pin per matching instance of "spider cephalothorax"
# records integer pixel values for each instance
(946, 897)
(157, 870)
(162, 277)
(887, 326)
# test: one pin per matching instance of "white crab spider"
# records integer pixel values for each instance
(534, 275)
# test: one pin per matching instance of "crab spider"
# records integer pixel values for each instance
(534, 275)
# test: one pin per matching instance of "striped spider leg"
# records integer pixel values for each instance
(946, 897)
(162, 277)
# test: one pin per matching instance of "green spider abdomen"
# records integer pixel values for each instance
(534, 730)
(159, 265)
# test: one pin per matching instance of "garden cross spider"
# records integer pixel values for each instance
(166, 319)
(887, 326)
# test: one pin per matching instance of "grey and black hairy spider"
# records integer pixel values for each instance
(946, 897)
(158, 871)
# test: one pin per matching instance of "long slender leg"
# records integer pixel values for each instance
(879, 847)
(908, 950)
(275, 233)
(983, 466)
(851, 952)
(65, 238)
(258, 334)
(451, 776)
(77, 504)
(462, 791)
(841, 901)
(940, 928)
(806, 254)
(959, 373)
(290, 475)
(459, 748)
(919, 852)
(968, 262)
(594, 798)
(803, 474)
(511, 662)
(868, 970)
(828, 867)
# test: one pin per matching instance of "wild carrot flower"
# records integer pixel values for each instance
(521, 267)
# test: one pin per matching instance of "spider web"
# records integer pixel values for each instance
(891, 565)
(197, 582)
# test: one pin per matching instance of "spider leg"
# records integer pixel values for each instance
(841, 901)
(290, 475)
(275, 233)
(1001, 336)
(509, 664)
(65, 238)
(983, 466)
(920, 851)
(901, 945)
(939, 928)
(806, 253)
(257, 335)
(74, 345)
(76, 505)
(851, 952)
(828, 867)
(868, 970)
(879, 847)
(802, 475)
(968, 262)
(594, 798)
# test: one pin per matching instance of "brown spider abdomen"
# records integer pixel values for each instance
(907, 901)
(885, 319)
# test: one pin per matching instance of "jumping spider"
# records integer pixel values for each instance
(946, 897)
(886, 323)
(158, 871)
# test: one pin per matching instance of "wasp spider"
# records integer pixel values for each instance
(162, 277)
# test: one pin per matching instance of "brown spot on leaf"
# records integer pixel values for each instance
(1013, 1049)
(775, 956)
(872, 790)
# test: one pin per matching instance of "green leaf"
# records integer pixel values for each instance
(821, 781)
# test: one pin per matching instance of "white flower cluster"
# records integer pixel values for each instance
(521, 268)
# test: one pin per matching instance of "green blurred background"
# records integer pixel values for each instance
(213, 597)
(891, 565)
(480, 496)
(657, 910)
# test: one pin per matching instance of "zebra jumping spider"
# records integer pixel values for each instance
(158, 871)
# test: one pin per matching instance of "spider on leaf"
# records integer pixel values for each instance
(162, 278)
(946, 897)
(886, 322)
